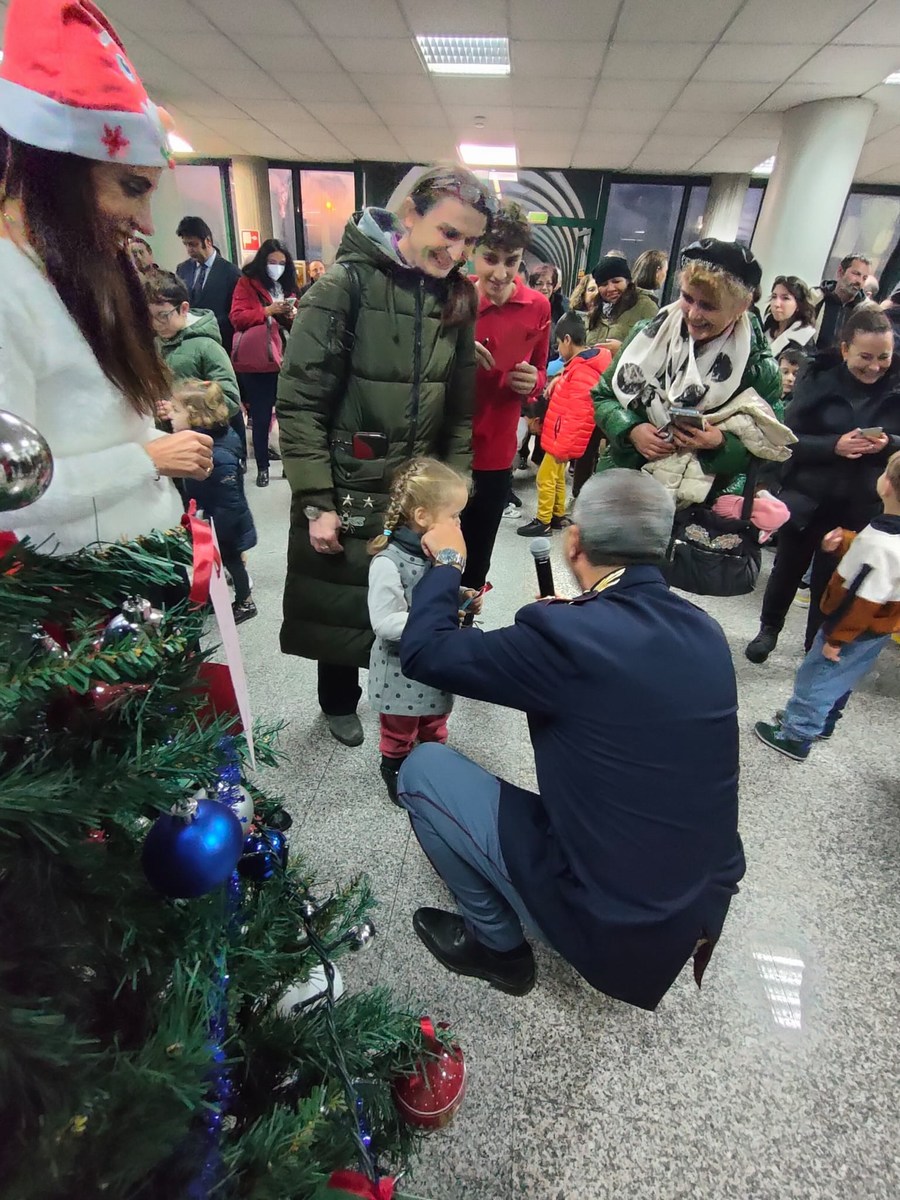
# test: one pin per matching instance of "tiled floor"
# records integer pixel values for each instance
(780, 1081)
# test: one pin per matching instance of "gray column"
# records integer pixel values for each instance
(817, 156)
(722, 215)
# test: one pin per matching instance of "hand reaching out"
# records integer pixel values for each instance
(833, 540)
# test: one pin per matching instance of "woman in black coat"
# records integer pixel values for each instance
(845, 412)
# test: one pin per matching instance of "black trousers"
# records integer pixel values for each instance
(797, 548)
(480, 521)
(259, 393)
(236, 568)
(587, 464)
(339, 689)
(238, 425)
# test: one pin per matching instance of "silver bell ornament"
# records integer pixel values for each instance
(26, 464)
(239, 801)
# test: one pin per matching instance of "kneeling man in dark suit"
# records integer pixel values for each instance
(626, 859)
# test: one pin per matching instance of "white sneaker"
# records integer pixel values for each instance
(513, 511)
(802, 598)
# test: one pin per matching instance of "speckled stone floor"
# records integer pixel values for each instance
(779, 1081)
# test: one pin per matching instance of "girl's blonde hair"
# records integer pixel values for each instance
(420, 483)
(726, 289)
(204, 402)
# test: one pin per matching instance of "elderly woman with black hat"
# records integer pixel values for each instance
(707, 353)
(620, 304)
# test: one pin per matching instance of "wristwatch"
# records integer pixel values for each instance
(312, 512)
(450, 558)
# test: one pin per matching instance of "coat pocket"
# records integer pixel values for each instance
(357, 473)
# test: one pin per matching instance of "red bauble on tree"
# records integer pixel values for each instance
(430, 1096)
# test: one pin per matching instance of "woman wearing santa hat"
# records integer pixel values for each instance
(81, 151)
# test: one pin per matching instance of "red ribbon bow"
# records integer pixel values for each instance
(354, 1183)
(206, 556)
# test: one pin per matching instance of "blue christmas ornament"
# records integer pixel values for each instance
(193, 849)
(265, 852)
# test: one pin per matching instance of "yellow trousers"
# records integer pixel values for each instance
(551, 489)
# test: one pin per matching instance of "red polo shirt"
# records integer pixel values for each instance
(514, 332)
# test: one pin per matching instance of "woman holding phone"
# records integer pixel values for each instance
(267, 288)
(845, 412)
(380, 368)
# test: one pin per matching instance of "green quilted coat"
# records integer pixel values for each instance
(403, 375)
(729, 462)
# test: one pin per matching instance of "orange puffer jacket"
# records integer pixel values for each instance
(569, 421)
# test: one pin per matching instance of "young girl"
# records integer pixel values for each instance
(201, 405)
(424, 492)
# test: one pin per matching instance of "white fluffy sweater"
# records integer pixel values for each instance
(104, 483)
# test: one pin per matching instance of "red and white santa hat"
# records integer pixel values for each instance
(67, 84)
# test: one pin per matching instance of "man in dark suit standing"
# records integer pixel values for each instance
(208, 277)
(627, 858)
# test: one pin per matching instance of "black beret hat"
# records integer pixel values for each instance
(737, 260)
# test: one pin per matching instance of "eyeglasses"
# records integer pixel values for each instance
(163, 317)
(467, 193)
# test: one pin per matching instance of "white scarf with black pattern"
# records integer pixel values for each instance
(662, 366)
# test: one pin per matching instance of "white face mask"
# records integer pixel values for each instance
(276, 270)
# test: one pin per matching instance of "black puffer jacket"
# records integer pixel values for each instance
(222, 497)
(828, 402)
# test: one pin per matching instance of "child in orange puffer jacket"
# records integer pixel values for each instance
(568, 422)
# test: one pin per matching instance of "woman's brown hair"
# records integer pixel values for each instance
(102, 292)
(806, 312)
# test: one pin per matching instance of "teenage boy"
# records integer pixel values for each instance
(862, 606)
(568, 422)
(512, 339)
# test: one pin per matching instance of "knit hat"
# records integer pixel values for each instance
(732, 257)
(66, 84)
(612, 266)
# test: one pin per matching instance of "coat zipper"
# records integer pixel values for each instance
(417, 371)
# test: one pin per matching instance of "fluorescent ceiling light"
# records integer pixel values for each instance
(894, 77)
(465, 55)
(178, 145)
(474, 155)
(765, 168)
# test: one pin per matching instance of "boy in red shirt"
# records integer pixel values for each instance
(568, 422)
(512, 337)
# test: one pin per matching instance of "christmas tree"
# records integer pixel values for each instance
(168, 1024)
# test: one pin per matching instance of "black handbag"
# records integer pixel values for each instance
(711, 555)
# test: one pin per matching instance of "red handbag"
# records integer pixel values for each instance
(258, 350)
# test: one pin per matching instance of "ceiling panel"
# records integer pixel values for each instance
(262, 18)
(578, 92)
(722, 97)
(560, 121)
(376, 55)
(789, 95)
(485, 19)
(614, 153)
(714, 124)
(332, 86)
(773, 22)
(654, 60)
(879, 25)
(201, 50)
(250, 83)
(365, 18)
(301, 53)
(844, 67)
(332, 115)
(627, 121)
(429, 116)
(160, 16)
(738, 154)
(482, 93)
(635, 95)
(685, 20)
(739, 63)
(560, 60)
(562, 20)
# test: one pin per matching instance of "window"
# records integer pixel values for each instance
(749, 215)
(327, 199)
(197, 190)
(870, 225)
(641, 216)
(284, 208)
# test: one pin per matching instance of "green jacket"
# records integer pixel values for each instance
(729, 461)
(197, 353)
(619, 329)
(403, 375)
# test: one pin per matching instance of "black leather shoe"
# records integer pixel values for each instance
(445, 935)
(763, 644)
(390, 769)
(262, 479)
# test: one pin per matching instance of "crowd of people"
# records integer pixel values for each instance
(401, 377)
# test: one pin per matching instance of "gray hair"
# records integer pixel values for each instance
(624, 518)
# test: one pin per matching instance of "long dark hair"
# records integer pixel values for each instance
(256, 267)
(460, 300)
(628, 299)
(102, 292)
(806, 313)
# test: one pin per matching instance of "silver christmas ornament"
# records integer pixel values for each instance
(26, 464)
(360, 935)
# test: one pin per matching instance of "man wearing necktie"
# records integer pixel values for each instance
(209, 277)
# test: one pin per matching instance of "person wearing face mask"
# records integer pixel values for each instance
(845, 412)
(81, 148)
(791, 319)
(620, 305)
(380, 368)
(267, 288)
(702, 352)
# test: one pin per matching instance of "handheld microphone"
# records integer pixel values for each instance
(540, 549)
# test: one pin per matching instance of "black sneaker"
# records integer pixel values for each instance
(775, 738)
(445, 935)
(514, 500)
(763, 644)
(390, 769)
(245, 611)
(560, 522)
(534, 528)
(262, 478)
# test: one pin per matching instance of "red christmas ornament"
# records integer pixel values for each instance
(430, 1096)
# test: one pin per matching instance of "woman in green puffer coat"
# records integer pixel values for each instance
(380, 367)
(700, 353)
